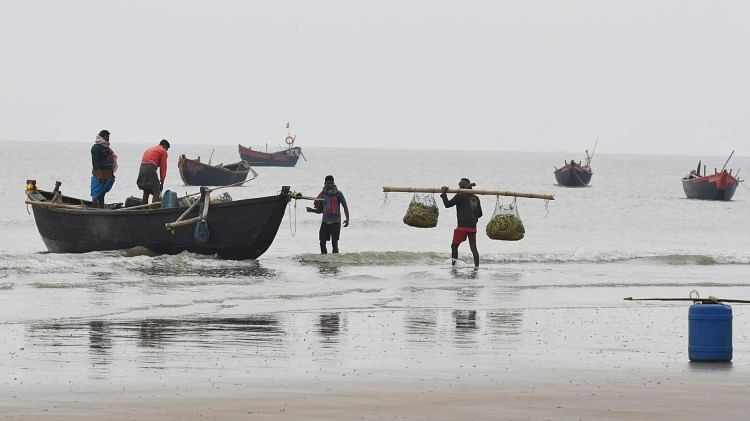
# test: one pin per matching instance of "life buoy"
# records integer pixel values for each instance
(289, 140)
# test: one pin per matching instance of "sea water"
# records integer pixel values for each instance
(390, 301)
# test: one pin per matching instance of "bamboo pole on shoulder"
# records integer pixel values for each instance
(393, 189)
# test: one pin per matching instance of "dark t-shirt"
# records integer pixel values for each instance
(101, 158)
(468, 208)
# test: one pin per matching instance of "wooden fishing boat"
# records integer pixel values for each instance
(196, 173)
(573, 174)
(241, 229)
(283, 158)
(720, 185)
(576, 174)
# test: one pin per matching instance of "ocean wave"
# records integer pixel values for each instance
(367, 258)
(110, 264)
(393, 258)
(617, 257)
(113, 266)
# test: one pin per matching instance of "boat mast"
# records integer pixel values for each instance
(589, 157)
(725, 164)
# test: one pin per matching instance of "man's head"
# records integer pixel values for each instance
(164, 143)
(329, 181)
(465, 183)
(104, 134)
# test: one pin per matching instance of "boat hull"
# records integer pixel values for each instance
(573, 176)
(719, 186)
(285, 158)
(196, 173)
(242, 229)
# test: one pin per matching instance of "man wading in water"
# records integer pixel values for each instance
(330, 206)
(468, 211)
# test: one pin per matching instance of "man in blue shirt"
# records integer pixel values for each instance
(329, 203)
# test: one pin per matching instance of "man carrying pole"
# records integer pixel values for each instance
(468, 211)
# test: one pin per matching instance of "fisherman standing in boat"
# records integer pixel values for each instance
(468, 211)
(148, 181)
(329, 204)
(104, 165)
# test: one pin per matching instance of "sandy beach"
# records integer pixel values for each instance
(696, 392)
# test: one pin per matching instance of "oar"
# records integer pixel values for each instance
(389, 189)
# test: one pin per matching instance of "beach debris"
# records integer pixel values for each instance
(422, 212)
(505, 223)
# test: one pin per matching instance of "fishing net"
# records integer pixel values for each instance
(505, 224)
(422, 212)
(222, 198)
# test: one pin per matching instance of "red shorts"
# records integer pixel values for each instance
(460, 234)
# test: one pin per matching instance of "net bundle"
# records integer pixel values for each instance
(422, 212)
(506, 223)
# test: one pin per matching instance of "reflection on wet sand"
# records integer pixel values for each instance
(466, 326)
(261, 342)
(329, 327)
(421, 326)
(262, 331)
(100, 342)
(505, 323)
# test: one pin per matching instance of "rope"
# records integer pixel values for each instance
(293, 226)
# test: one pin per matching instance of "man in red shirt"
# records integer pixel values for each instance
(148, 181)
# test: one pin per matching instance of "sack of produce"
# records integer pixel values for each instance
(505, 224)
(422, 212)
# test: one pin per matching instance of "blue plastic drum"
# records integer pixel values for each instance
(710, 332)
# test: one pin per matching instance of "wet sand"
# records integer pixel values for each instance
(698, 393)
(619, 363)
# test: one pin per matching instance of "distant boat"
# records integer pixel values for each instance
(196, 173)
(284, 158)
(576, 174)
(720, 185)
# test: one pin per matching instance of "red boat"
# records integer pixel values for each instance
(720, 185)
(284, 158)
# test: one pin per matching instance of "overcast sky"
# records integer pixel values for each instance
(644, 76)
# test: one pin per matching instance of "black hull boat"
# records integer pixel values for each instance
(285, 158)
(720, 185)
(573, 175)
(576, 174)
(242, 229)
(196, 173)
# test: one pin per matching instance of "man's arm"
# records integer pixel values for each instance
(346, 210)
(163, 167)
(317, 206)
(444, 195)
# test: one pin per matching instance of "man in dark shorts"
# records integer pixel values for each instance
(148, 181)
(329, 204)
(468, 211)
